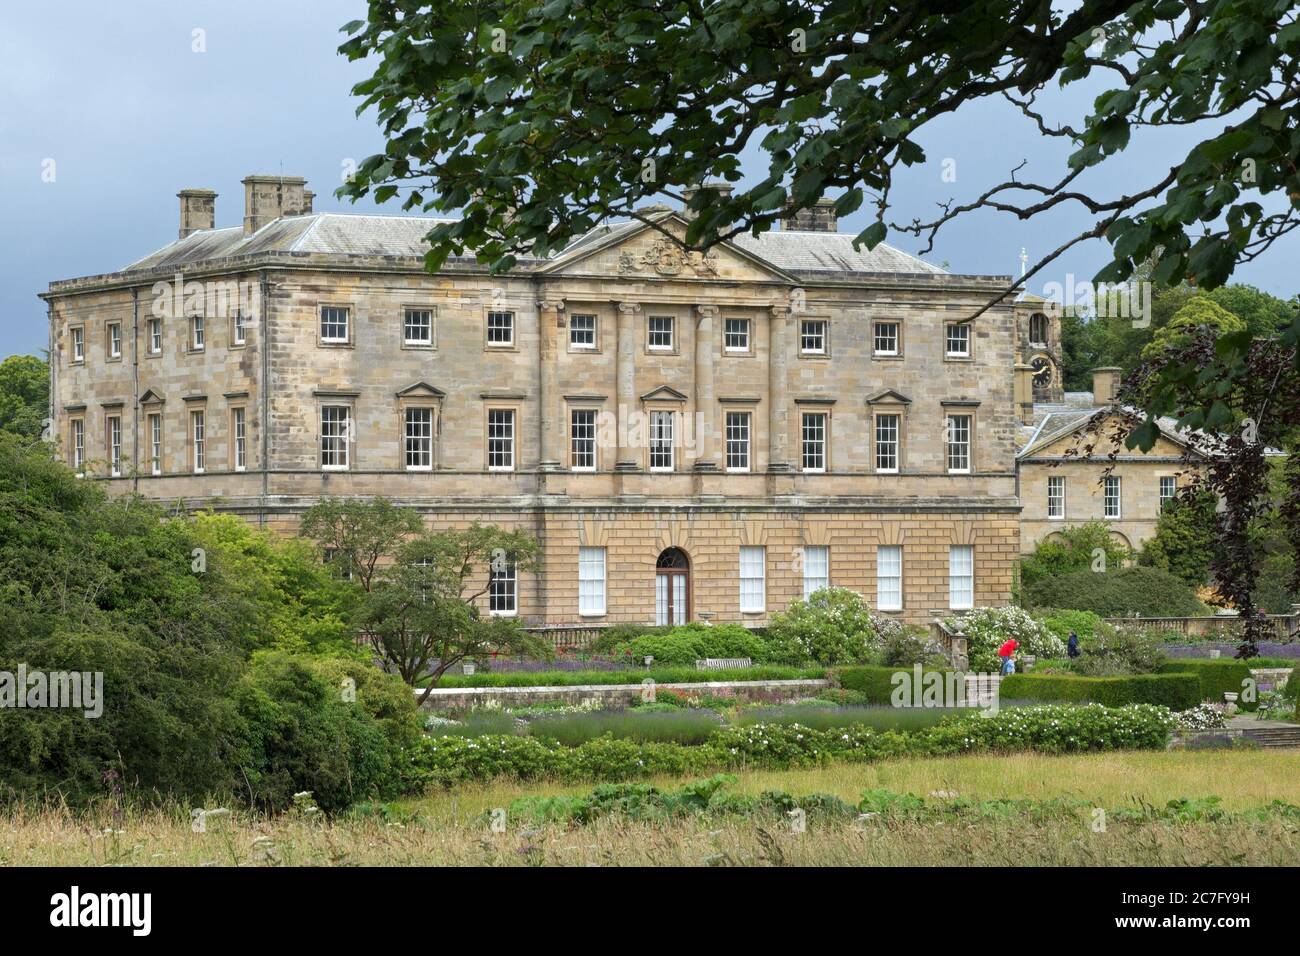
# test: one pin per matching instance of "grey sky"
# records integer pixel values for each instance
(114, 94)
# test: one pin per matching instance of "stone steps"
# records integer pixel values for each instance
(1288, 737)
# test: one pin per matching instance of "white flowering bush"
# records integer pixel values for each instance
(1201, 717)
(833, 626)
(987, 628)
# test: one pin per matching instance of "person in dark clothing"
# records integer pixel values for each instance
(1073, 644)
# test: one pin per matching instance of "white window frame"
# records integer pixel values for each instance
(959, 448)
(78, 443)
(818, 445)
(418, 445)
(1160, 489)
(335, 437)
(338, 316)
(884, 422)
(738, 441)
(889, 577)
(876, 338)
(503, 590)
(961, 577)
(591, 581)
(198, 440)
(198, 333)
(740, 335)
(239, 329)
(805, 335)
(583, 446)
(155, 332)
(1056, 497)
(816, 568)
(239, 436)
(1109, 498)
(500, 322)
(407, 339)
(753, 578)
(670, 331)
(115, 445)
(949, 329)
(574, 330)
(78, 344)
(154, 422)
(506, 425)
(115, 340)
(663, 424)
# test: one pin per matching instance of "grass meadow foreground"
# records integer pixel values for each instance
(1227, 809)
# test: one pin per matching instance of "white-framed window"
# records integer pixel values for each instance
(198, 440)
(154, 330)
(813, 433)
(1168, 488)
(198, 333)
(155, 444)
(816, 569)
(885, 338)
(1110, 496)
(961, 577)
(239, 431)
(78, 443)
(335, 437)
(957, 340)
(334, 324)
(1056, 496)
(959, 444)
(79, 344)
(889, 577)
(582, 439)
(115, 444)
(500, 329)
(503, 588)
(417, 326)
(735, 335)
(591, 581)
(887, 427)
(812, 336)
(418, 439)
(582, 331)
(738, 441)
(753, 579)
(115, 340)
(501, 439)
(661, 332)
(661, 441)
(239, 329)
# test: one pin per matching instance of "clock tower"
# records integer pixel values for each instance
(1038, 346)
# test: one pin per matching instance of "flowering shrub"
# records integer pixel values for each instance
(833, 626)
(1054, 729)
(986, 628)
(1201, 717)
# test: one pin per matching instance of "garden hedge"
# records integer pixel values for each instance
(877, 683)
(1177, 691)
(660, 675)
(1122, 592)
(1216, 677)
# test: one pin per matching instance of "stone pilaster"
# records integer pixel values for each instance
(706, 403)
(626, 383)
(778, 399)
(550, 418)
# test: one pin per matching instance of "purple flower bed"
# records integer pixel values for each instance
(1290, 651)
(562, 662)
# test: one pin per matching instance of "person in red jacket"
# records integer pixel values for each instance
(1007, 652)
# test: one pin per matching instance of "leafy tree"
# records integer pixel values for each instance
(422, 614)
(540, 120)
(24, 395)
(1074, 548)
(359, 533)
(1185, 533)
(1199, 313)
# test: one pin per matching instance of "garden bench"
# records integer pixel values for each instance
(722, 663)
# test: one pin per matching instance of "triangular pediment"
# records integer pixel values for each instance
(421, 390)
(664, 393)
(150, 397)
(888, 396)
(1069, 436)
(649, 251)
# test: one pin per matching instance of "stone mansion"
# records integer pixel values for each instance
(688, 436)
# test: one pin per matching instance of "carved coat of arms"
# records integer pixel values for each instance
(668, 259)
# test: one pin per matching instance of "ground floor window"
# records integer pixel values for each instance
(503, 588)
(591, 581)
(753, 579)
(961, 577)
(816, 569)
(889, 577)
(672, 588)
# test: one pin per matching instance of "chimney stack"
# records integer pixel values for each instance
(1105, 384)
(267, 198)
(819, 218)
(723, 190)
(198, 210)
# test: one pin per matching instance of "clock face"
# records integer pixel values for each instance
(1042, 367)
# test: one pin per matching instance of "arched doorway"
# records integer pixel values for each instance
(672, 588)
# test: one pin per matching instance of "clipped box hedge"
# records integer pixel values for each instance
(1216, 677)
(876, 682)
(1177, 691)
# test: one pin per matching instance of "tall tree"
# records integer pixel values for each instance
(24, 395)
(357, 534)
